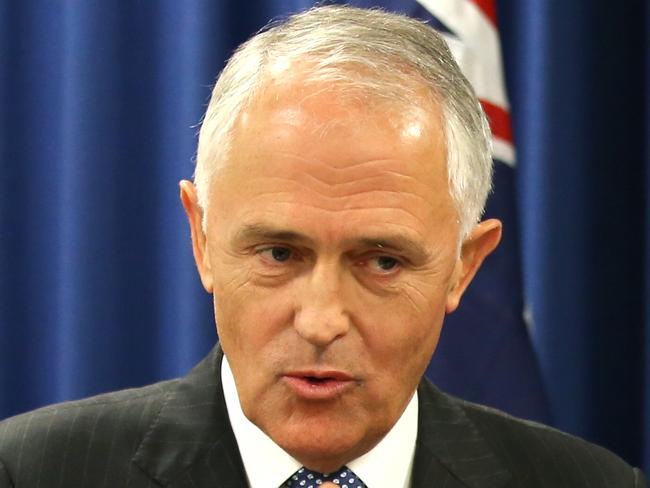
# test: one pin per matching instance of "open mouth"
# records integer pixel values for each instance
(317, 381)
(319, 386)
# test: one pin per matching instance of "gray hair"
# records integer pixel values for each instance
(382, 54)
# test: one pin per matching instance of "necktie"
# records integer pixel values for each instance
(305, 478)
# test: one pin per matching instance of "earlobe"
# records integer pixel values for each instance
(483, 239)
(199, 241)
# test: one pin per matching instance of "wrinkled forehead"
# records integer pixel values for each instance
(317, 125)
(304, 145)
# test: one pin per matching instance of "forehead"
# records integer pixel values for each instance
(310, 151)
(292, 109)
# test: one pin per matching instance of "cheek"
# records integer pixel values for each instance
(250, 319)
(406, 327)
(253, 332)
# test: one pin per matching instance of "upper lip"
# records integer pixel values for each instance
(321, 374)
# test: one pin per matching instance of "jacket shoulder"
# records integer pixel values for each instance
(539, 455)
(60, 437)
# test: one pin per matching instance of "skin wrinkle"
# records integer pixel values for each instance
(346, 184)
(302, 170)
(335, 210)
(350, 209)
(349, 167)
(359, 195)
(356, 195)
(419, 292)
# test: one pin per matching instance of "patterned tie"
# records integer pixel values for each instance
(305, 478)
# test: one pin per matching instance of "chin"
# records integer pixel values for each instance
(323, 458)
(315, 445)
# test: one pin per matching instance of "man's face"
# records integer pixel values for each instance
(332, 252)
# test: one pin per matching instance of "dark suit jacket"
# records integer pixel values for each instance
(177, 434)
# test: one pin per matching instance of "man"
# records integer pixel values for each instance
(342, 169)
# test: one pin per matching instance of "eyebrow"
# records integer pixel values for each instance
(390, 242)
(399, 243)
(252, 232)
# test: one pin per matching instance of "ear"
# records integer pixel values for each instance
(199, 242)
(483, 239)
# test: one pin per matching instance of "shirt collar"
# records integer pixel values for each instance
(267, 465)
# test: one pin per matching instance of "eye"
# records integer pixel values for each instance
(276, 254)
(384, 264)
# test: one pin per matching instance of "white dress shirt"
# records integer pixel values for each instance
(389, 464)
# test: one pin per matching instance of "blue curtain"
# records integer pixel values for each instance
(99, 103)
(579, 91)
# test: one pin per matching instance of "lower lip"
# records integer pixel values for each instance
(328, 389)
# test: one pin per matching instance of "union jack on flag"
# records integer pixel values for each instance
(470, 28)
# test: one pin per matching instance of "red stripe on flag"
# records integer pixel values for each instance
(499, 121)
(489, 9)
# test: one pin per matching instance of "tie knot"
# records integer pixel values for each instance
(306, 478)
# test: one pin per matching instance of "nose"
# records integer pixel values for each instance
(320, 316)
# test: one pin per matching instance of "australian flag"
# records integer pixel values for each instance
(485, 353)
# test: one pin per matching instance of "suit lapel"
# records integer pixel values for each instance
(191, 443)
(450, 450)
